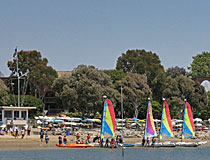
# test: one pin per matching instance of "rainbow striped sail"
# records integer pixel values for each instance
(188, 129)
(108, 122)
(150, 126)
(166, 130)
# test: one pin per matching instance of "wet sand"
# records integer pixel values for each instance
(33, 142)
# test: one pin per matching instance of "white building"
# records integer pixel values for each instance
(14, 116)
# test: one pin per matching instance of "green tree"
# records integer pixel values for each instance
(84, 90)
(176, 71)
(200, 66)
(40, 75)
(135, 91)
(180, 88)
(146, 63)
(29, 101)
(3, 92)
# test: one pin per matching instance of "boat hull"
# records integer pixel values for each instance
(75, 145)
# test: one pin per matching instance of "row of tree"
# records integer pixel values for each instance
(138, 72)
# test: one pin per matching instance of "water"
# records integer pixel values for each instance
(109, 154)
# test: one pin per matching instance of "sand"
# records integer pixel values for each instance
(33, 142)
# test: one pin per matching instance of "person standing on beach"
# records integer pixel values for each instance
(41, 134)
(28, 130)
(88, 138)
(16, 132)
(59, 140)
(46, 139)
(23, 132)
(64, 140)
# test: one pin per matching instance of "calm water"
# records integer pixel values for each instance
(108, 154)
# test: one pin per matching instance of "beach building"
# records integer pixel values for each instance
(14, 116)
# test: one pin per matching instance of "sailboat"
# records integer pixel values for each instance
(166, 129)
(188, 128)
(150, 125)
(108, 122)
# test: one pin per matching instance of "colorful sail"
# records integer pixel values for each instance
(108, 122)
(188, 129)
(150, 125)
(166, 130)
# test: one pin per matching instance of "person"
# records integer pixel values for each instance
(23, 132)
(147, 140)
(28, 130)
(77, 136)
(143, 141)
(86, 142)
(112, 142)
(11, 131)
(153, 141)
(46, 139)
(59, 140)
(41, 134)
(64, 140)
(107, 143)
(88, 137)
(102, 142)
(117, 139)
(16, 132)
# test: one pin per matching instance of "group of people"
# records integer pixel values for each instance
(15, 131)
(62, 140)
(87, 141)
(144, 142)
(44, 133)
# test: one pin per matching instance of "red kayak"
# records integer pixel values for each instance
(74, 145)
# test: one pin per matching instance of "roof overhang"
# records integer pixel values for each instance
(16, 108)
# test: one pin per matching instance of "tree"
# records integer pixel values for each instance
(200, 66)
(40, 75)
(135, 91)
(84, 90)
(1, 74)
(175, 71)
(29, 101)
(180, 88)
(146, 63)
(3, 92)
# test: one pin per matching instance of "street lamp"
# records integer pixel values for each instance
(18, 76)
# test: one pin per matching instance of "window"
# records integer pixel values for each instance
(0, 115)
(16, 114)
(23, 114)
(8, 114)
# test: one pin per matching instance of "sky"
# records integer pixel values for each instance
(96, 32)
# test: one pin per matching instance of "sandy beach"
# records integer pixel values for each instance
(33, 142)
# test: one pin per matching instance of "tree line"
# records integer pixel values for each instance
(138, 72)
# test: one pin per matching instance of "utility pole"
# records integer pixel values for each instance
(122, 120)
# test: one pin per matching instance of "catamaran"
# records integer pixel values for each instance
(166, 129)
(150, 125)
(188, 128)
(108, 122)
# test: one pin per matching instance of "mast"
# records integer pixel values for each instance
(122, 120)
(145, 131)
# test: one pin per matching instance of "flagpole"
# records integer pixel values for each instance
(18, 77)
(122, 120)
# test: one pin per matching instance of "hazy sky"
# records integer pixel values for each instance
(97, 32)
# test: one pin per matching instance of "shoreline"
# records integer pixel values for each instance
(33, 142)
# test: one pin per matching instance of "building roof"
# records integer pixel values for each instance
(64, 73)
(16, 108)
